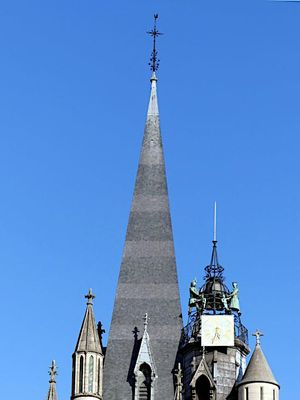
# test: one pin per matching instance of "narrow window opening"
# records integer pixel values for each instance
(99, 372)
(274, 394)
(247, 393)
(261, 393)
(73, 373)
(91, 374)
(145, 382)
(81, 375)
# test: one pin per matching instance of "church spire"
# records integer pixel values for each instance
(148, 276)
(88, 357)
(52, 395)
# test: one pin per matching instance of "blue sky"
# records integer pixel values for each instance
(74, 88)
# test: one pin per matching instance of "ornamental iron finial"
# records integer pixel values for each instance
(154, 61)
(52, 372)
(90, 296)
(258, 335)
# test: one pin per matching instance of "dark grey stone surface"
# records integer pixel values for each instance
(148, 278)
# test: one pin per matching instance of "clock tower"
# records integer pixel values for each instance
(214, 343)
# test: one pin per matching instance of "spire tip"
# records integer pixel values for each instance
(215, 222)
(258, 335)
(154, 61)
(90, 296)
(52, 371)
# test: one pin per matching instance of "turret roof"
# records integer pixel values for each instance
(258, 369)
(88, 337)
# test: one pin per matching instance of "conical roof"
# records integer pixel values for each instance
(88, 339)
(52, 395)
(148, 277)
(258, 369)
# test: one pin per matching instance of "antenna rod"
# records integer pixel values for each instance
(215, 222)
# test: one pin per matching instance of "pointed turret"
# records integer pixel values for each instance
(258, 380)
(88, 358)
(52, 395)
(148, 276)
(88, 339)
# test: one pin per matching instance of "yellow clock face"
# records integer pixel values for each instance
(217, 330)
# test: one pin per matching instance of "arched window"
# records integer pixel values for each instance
(203, 388)
(91, 374)
(145, 382)
(81, 375)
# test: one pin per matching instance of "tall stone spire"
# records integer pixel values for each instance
(88, 358)
(52, 395)
(148, 276)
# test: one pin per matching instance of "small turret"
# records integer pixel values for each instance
(258, 381)
(88, 358)
(52, 395)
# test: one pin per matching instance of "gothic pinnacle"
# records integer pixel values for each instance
(53, 372)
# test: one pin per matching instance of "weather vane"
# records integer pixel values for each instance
(154, 61)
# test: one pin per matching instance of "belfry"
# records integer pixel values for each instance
(150, 355)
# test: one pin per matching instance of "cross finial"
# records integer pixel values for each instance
(52, 371)
(258, 335)
(154, 61)
(146, 321)
(90, 296)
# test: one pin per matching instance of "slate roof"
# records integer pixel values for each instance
(258, 369)
(148, 277)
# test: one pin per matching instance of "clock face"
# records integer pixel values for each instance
(217, 330)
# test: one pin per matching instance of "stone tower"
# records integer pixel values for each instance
(148, 279)
(214, 344)
(87, 368)
(258, 383)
